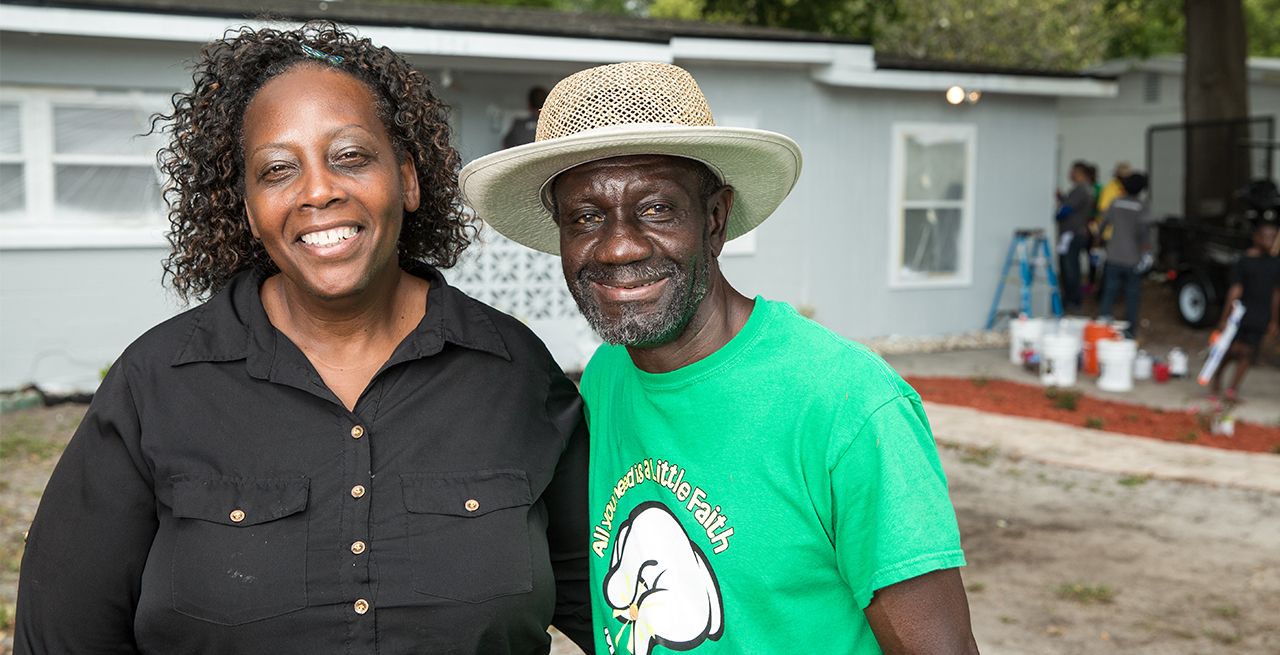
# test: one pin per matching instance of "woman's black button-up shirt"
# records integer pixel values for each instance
(218, 498)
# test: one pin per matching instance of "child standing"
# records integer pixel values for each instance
(1255, 282)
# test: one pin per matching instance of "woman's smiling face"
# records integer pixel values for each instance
(324, 190)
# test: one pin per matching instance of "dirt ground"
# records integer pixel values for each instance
(1061, 561)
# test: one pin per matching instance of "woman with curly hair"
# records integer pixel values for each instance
(337, 452)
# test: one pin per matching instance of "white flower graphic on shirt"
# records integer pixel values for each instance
(660, 585)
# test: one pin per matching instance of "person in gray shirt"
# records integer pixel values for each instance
(1073, 216)
(1127, 227)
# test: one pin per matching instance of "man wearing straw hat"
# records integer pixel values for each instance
(758, 484)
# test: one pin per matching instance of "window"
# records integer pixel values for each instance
(931, 222)
(1151, 88)
(75, 170)
(13, 195)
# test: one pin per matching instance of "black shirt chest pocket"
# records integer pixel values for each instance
(239, 552)
(469, 532)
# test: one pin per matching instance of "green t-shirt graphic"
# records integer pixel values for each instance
(753, 501)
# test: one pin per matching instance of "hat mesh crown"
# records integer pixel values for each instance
(622, 94)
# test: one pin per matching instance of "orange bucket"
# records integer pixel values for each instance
(1093, 333)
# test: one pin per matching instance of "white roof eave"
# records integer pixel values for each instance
(911, 80)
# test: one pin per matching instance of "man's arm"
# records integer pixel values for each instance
(926, 614)
(896, 538)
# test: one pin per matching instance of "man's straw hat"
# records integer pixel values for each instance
(634, 108)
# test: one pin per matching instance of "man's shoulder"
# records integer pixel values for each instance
(813, 357)
(605, 364)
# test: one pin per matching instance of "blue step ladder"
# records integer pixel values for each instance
(1031, 249)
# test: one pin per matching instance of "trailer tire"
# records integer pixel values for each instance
(1196, 301)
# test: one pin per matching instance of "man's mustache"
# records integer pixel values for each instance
(637, 273)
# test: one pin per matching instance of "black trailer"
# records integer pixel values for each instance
(1199, 239)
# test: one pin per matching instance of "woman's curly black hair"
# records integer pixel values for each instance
(204, 160)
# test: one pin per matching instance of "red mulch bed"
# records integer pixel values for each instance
(1012, 398)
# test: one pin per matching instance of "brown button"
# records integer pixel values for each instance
(357, 491)
(357, 432)
(472, 505)
(361, 606)
(237, 515)
(357, 547)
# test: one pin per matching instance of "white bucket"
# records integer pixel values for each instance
(1073, 325)
(1059, 360)
(1142, 365)
(1178, 363)
(1024, 334)
(1115, 360)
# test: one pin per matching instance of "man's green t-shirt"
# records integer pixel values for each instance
(753, 501)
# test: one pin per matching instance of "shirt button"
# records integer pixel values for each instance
(472, 505)
(357, 432)
(357, 491)
(361, 606)
(237, 515)
(357, 547)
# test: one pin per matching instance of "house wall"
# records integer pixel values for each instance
(67, 312)
(1109, 130)
(827, 247)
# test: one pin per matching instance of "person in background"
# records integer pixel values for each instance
(1255, 282)
(1097, 236)
(338, 452)
(525, 128)
(1114, 187)
(1074, 212)
(1128, 250)
(1093, 253)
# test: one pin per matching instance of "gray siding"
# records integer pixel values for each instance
(68, 313)
(1109, 130)
(827, 246)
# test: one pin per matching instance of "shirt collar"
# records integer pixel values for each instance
(233, 325)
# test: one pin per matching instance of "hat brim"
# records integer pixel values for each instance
(505, 188)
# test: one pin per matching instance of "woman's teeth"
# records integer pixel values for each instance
(329, 237)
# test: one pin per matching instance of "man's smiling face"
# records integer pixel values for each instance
(634, 244)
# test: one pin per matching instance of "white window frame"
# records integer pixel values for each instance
(898, 204)
(39, 229)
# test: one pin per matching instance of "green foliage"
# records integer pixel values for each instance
(1044, 34)
(678, 9)
(849, 18)
(1262, 22)
(1067, 399)
(1086, 594)
(1142, 28)
(979, 456)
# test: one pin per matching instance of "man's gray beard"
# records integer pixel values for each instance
(647, 330)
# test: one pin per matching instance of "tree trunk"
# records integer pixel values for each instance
(1215, 89)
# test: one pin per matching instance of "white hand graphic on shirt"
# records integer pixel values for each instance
(661, 585)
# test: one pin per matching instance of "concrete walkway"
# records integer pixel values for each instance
(1261, 389)
(1066, 445)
